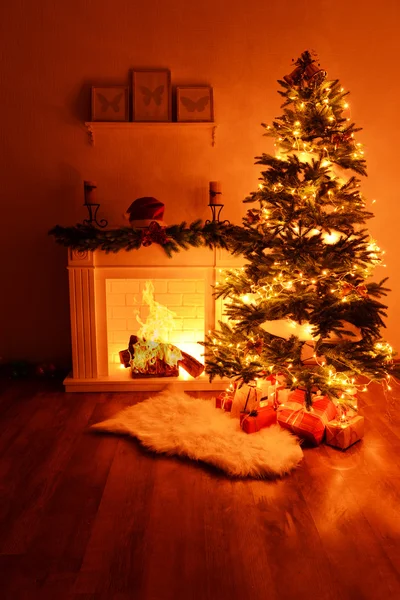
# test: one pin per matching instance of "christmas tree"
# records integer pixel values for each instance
(302, 305)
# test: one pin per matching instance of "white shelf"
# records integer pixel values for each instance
(93, 126)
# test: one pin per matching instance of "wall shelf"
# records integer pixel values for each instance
(94, 126)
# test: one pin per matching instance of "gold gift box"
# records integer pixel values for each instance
(343, 435)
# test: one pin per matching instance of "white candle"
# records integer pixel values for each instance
(215, 192)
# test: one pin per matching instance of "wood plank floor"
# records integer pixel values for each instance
(85, 516)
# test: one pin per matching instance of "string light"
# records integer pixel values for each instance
(284, 280)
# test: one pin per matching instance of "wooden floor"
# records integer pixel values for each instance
(85, 516)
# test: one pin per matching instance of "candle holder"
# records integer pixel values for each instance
(216, 212)
(89, 188)
(216, 207)
(92, 220)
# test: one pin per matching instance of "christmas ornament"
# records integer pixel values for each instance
(340, 138)
(154, 233)
(294, 77)
(360, 289)
(306, 71)
(255, 347)
(253, 216)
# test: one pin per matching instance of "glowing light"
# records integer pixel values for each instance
(331, 238)
(160, 321)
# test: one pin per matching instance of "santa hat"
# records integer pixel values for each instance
(144, 211)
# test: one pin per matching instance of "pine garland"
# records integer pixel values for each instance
(172, 239)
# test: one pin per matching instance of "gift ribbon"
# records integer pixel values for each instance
(296, 409)
(225, 398)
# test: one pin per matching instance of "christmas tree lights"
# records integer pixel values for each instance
(308, 256)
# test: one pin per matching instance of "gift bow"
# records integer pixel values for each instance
(359, 289)
(154, 233)
(274, 378)
(297, 410)
(226, 396)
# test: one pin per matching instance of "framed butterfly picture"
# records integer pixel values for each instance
(151, 95)
(194, 104)
(110, 103)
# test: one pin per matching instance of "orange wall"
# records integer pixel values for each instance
(54, 51)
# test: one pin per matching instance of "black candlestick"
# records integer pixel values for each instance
(89, 188)
(216, 212)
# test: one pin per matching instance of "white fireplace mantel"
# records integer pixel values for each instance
(88, 274)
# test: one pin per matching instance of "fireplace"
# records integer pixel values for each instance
(106, 307)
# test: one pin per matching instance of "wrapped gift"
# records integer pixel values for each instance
(344, 434)
(227, 404)
(257, 419)
(246, 398)
(308, 424)
(224, 400)
(282, 395)
(298, 396)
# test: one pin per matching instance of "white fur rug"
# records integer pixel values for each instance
(175, 423)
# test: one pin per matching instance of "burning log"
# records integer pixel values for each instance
(157, 359)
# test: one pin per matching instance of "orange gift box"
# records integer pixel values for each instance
(343, 435)
(258, 419)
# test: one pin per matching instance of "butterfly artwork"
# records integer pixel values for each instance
(194, 104)
(151, 95)
(110, 103)
(113, 103)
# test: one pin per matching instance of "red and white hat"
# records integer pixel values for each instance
(144, 211)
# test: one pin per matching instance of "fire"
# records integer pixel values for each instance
(151, 346)
(160, 320)
(148, 351)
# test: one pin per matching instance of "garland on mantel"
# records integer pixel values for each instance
(171, 239)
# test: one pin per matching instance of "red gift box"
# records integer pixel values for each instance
(307, 424)
(227, 404)
(224, 400)
(297, 396)
(257, 419)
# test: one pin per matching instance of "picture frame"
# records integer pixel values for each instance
(151, 97)
(110, 103)
(194, 104)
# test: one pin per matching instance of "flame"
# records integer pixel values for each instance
(153, 334)
(160, 320)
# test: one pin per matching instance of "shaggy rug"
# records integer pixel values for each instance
(175, 423)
